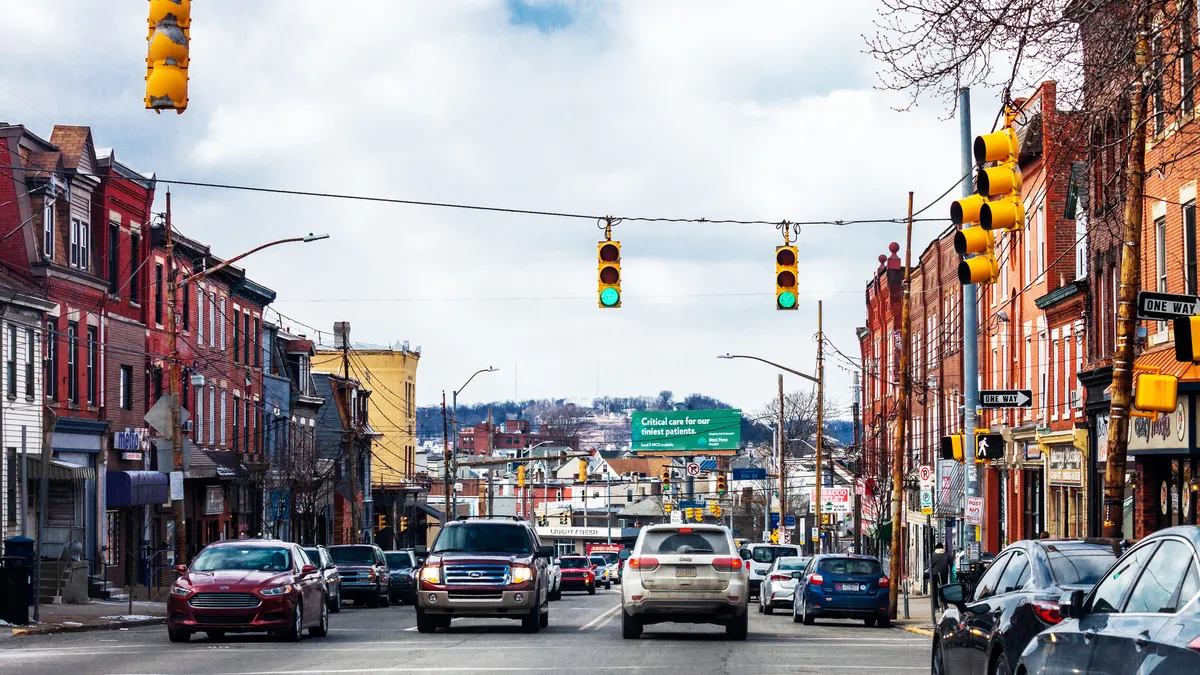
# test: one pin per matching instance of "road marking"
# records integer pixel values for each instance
(598, 619)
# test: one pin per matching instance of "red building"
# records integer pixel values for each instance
(508, 435)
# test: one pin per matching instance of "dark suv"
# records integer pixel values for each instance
(364, 573)
(490, 568)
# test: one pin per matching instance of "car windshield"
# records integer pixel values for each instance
(686, 541)
(608, 558)
(260, 558)
(791, 563)
(398, 561)
(314, 555)
(353, 555)
(575, 564)
(1079, 565)
(597, 560)
(490, 538)
(768, 554)
(851, 566)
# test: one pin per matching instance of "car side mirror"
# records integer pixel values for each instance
(623, 554)
(421, 551)
(182, 569)
(546, 552)
(1070, 605)
(954, 594)
(307, 570)
(745, 554)
(797, 574)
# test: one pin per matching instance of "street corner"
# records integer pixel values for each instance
(88, 624)
(918, 630)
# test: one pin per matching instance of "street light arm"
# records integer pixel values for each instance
(204, 273)
(771, 363)
(489, 369)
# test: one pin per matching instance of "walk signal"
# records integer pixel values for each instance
(787, 277)
(608, 272)
(721, 487)
(1187, 339)
(1000, 183)
(952, 447)
(521, 476)
(167, 55)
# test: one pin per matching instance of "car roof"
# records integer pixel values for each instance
(250, 542)
(674, 527)
(1189, 532)
(845, 556)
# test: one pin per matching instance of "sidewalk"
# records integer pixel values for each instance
(96, 615)
(919, 610)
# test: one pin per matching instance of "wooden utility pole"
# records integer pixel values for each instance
(1131, 244)
(898, 452)
(174, 376)
(447, 474)
(351, 440)
(820, 444)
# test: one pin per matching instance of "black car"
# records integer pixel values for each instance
(402, 567)
(365, 576)
(1142, 617)
(1015, 599)
(319, 556)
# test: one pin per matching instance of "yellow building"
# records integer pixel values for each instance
(391, 375)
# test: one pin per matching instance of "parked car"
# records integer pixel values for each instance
(319, 556)
(402, 570)
(577, 574)
(1143, 616)
(779, 586)
(1016, 599)
(365, 576)
(248, 585)
(759, 558)
(685, 574)
(555, 573)
(602, 570)
(843, 587)
(485, 568)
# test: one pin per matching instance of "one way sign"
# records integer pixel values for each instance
(1006, 398)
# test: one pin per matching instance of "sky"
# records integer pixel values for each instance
(675, 109)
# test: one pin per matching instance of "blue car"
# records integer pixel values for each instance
(843, 587)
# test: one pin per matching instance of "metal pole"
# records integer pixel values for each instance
(782, 462)
(767, 486)
(608, 514)
(820, 447)
(858, 548)
(452, 461)
(447, 477)
(899, 453)
(49, 419)
(24, 479)
(970, 317)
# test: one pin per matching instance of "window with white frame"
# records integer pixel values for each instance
(1081, 244)
(79, 244)
(212, 413)
(224, 321)
(1027, 275)
(1052, 401)
(48, 222)
(212, 319)
(1075, 385)
(1041, 239)
(1160, 253)
(200, 315)
(1028, 368)
(224, 397)
(198, 424)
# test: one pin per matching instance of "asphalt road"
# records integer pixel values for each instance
(584, 637)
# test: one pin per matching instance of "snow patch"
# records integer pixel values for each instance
(130, 617)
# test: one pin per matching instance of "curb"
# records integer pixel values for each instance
(56, 628)
(919, 631)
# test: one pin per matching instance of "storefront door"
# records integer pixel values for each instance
(1034, 498)
(1176, 501)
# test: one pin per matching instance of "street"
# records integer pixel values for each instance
(584, 636)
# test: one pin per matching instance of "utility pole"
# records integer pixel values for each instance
(857, 422)
(970, 321)
(1123, 357)
(49, 420)
(173, 386)
(782, 462)
(820, 445)
(351, 436)
(490, 487)
(899, 452)
(447, 476)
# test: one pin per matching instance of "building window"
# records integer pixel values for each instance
(30, 343)
(1156, 74)
(224, 322)
(51, 365)
(135, 264)
(72, 361)
(80, 235)
(1189, 245)
(1160, 252)
(48, 224)
(114, 257)
(199, 422)
(12, 360)
(187, 309)
(199, 315)
(237, 336)
(92, 342)
(257, 332)
(1187, 65)
(185, 390)
(212, 319)
(158, 293)
(224, 395)
(212, 414)
(1081, 244)
(237, 409)
(126, 392)
(249, 339)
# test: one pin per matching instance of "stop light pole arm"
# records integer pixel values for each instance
(770, 363)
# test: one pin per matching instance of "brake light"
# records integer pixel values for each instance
(644, 563)
(885, 582)
(780, 577)
(685, 530)
(1047, 611)
(727, 563)
(1194, 645)
(815, 579)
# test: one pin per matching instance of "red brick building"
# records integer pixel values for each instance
(507, 435)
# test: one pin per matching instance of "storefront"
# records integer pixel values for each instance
(1064, 453)
(1023, 485)
(1096, 403)
(1167, 469)
(568, 540)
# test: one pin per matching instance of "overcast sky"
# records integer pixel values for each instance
(740, 110)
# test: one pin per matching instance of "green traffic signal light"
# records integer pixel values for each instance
(786, 300)
(609, 297)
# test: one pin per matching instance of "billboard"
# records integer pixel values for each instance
(698, 430)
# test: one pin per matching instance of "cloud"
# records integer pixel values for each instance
(763, 111)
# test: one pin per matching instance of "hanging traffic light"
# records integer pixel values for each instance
(786, 277)
(1156, 393)
(666, 480)
(952, 447)
(716, 511)
(167, 55)
(583, 476)
(721, 487)
(564, 518)
(978, 248)
(1187, 339)
(667, 508)
(380, 521)
(608, 271)
(521, 476)
(1000, 183)
(699, 515)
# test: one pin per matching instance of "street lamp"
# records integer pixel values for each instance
(173, 348)
(452, 463)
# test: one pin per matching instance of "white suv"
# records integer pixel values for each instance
(685, 574)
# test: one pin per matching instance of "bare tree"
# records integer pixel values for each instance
(308, 477)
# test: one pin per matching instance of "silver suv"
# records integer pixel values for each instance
(685, 574)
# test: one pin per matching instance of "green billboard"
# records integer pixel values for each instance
(676, 430)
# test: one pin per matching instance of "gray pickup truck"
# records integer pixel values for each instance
(485, 568)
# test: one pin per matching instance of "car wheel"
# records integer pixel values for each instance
(938, 666)
(592, 589)
(179, 635)
(294, 633)
(805, 617)
(556, 595)
(795, 613)
(761, 608)
(322, 628)
(766, 607)
(631, 626)
(374, 600)
(869, 622)
(214, 634)
(544, 619)
(739, 627)
(335, 605)
(532, 622)
(425, 623)
(884, 622)
(1000, 667)
(385, 600)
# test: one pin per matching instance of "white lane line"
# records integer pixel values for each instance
(600, 618)
(433, 669)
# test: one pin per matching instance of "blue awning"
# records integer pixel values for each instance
(134, 488)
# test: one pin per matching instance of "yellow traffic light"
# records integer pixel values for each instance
(403, 523)
(721, 485)
(608, 272)
(167, 55)
(981, 267)
(583, 476)
(564, 518)
(699, 513)
(1187, 339)
(1156, 393)
(787, 277)
(1000, 183)
(667, 508)
(521, 476)
(716, 511)
(952, 447)
(380, 521)
(666, 480)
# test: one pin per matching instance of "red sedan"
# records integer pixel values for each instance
(248, 586)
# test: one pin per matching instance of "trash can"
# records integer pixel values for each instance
(22, 548)
(14, 590)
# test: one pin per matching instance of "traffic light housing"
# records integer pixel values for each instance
(521, 476)
(667, 508)
(722, 487)
(666, 480)
(403, 523)
(380, 521)
(716, 511)
(952, 447)
(608, 274)
(583, 475)
(167, 47)
(1187, 339)
(564, 518)
(1001, 183)
(1156, 393)
(699, 514)
(787, 277)
(978, 248)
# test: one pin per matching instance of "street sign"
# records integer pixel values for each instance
(159, 416)
(774, 519)
(927, 502)
(690, 504)
(749, 474)
(833, 500)
(1166, 306)
(787, 537)
(926, 473)
(693, 469)
(1006, 398)
(790, 521)
(989, 446)
(677, 517)
(974, 512)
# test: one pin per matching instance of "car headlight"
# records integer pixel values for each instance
(521, 574)
(275, 590)
(371, 575)
(431, 574)
(181, 591)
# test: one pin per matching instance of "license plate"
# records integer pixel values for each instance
(685, 571)
(850, 587)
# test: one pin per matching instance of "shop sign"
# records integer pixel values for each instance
(1066, 465)
(214, 502)
(1033, 451)
(1102, 438)
(1162, 432)
(568, 532)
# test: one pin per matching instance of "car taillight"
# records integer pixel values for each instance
(1047, 611)
(645, 563)
(727, 563)
(815, 579)
(780, 577)
(1194, 645)
(885, 582)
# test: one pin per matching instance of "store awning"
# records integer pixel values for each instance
(429, 510)
(134, 488)
(60, 470)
